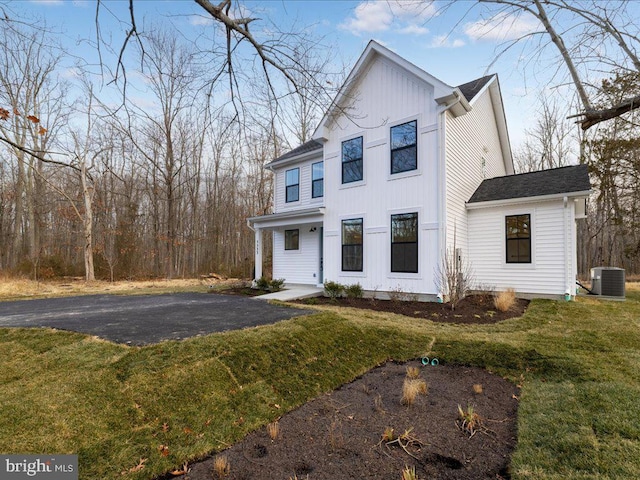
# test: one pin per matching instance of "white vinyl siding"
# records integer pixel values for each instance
(470, 139)
(304, 199)
(302, 265)
(553, 262)
(384, 95)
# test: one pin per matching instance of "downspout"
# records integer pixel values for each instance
(567, 250)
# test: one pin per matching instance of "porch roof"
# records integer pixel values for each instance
(282, 219)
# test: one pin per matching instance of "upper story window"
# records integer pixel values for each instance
(518, 231)
(317, 180)
(404, 147)
(404, 243)
(352, 233)
(292, 185)
(352, 160)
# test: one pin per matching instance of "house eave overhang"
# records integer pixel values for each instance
(523, 200)
(455, 102)
(317, 153)
(282, 219)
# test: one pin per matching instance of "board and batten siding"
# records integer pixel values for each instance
(553, 267)
(305, 200)
(385, 95)
(300, 266)
(470, 138)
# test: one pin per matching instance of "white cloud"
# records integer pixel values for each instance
(444, 41)
(198, 20)
(502, 26)
(414, 30)
(52, 3)
(408, 17)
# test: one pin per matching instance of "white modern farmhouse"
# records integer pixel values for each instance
(404, 168)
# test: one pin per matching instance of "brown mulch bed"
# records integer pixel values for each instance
(339, 436)
(471, 309)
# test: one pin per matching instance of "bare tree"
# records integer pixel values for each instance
(549, 143)
(590, 37)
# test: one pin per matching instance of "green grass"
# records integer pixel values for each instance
(578, 364)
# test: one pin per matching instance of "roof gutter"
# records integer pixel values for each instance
(455, 102)
(540, 198)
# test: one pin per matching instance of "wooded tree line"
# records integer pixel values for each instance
(158, 178)
(158, 185)
(610, 235)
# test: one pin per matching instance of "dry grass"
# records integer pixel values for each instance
(411, 388)
(409, 473)
(221, 467)
(273, 429)
(413, 372)
(21, 288)
(504, 301)
(477, 388)
(468, 420)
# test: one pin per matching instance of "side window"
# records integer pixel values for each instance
(404, 147)
(404, 243)
(317, 180)
(292, 239)
(352, 160)
(352, 245)
(292, 185)
(518, 232)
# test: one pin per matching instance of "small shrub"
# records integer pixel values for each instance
(409, 473)
(221, 467)
(354, 291)
(468, 420)
(396, 294)
(333, 289)
(273, 429)
(504, 301)
(276, 284)
(262, 283)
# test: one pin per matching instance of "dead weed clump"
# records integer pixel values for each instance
(504, 301)
(413, 386)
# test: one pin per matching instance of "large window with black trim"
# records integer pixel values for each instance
(292, 182)
(292, 239)
(404, 147)
(404, 243)
(352, 168)
(518, 232)
(317, 180)
(352, 245)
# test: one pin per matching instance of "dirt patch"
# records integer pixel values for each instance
(472, 309)
(340, 435)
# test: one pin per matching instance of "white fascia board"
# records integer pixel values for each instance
(375, 49)
(294, 217)
(501, 120)
(297, 158)
(522, 200)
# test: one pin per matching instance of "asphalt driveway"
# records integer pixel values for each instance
(144, 319)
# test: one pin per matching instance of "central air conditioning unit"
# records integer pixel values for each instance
(608, 281)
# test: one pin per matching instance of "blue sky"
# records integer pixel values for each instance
(455, 45)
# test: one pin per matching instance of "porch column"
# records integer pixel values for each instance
(258, 253)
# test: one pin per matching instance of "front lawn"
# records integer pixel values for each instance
(143, 411)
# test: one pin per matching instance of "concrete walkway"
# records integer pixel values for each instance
(292, 292)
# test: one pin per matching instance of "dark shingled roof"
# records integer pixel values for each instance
(471, 89)
(306, 147)
(534, 184)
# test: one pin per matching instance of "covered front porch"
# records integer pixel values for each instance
(297, 245)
